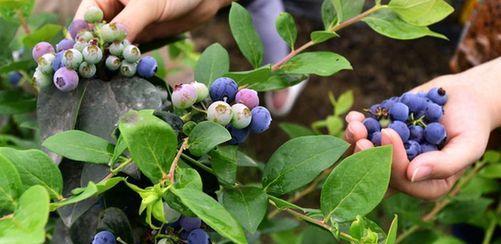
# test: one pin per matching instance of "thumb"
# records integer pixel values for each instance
(134, 18)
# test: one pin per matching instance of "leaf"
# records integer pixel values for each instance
(460, 211)
(10, 186)
(491, 171)
(243, 160)
(328, 14)
(213, 63)
(205, 136)
(80, 146)
(334, 125)
(387, 23)
(224, 163)
(322, 36)
(185, 178)
(80, 195)
(319, 63)
(9, 9)
(294, 130)
(245, 35)
(27, 224)
(114, 220)
(46, 32)
(247, 204)
(286, 28)
(299, 161)
(252, 77)
(17, 65)
(392, 232)
(421, 12)
(36, 168)
(356, 185)
(211, 213)
(344, 103)
(278, 81)
(152, 143)
(15, 102)
(336, 11)
(283, 204)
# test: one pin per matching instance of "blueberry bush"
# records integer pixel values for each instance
(116, 155)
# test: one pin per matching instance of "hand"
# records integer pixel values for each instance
(147, 20)
(472, 111)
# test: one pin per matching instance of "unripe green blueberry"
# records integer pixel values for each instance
(113, 63)
(131, 53)
(93, 15)
(45, 63)
(87, 70)
(128, 69)
(92, 54)
(72, 58)
(202, 91)
(80, 45)
(219, 112)
(108, 32)
(84, 36)
(41, 79)
(184, 96)
(242, 116)
(116, 48)
(121, 32)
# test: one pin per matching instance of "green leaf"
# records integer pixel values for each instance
(463, 211)
(27, 224)
(247, 204)
(185, 178)
(357, 184)
(319, 63)
(334, 125)
(344, 103)
(491, 157)
(298, 161)
(213, 63)
(35, 168)
(245, 35)
(211, 213)
(224, 163)
(206, 136)
(10, 186)
(294, 130)
(244, 160)
(80, 146)
(421, 12)
(10, 9)
(328, 14)
(387, 23)
(322, 36)
(47, 32)
(336, 11)
(18, 65)
(15, 102)
(278, 81)
(152, 143)
(83, 193)
(286, 28)
(283, 204)
(252, 77)
(491, 171)
(392, 232)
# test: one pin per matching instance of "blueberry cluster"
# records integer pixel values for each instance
(415, 117)
(189, 229)
(93, 44)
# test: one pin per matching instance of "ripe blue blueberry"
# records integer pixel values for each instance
(401, 128)
(147, 67)
(372, 125)
(399, 111)
(184, 96)
(183, 235)
(76, 27)
(437, 95)
(104, 237)
(417, 132)
(128, 69)
(93, 15)
(131, 53)
(435, 133)
(64, 45)
(376, 138)
(242, 116)
(223, 88)
(40, 49)
(413, 101)
(219, 112)
(433, 112)
(116, 48)
(261, 120)
(238, 136)
(45, 63)
(87, 70)
(92, 54)
(248, 97)
(388, 103)
(412, 148)
(14, 78)
(113, 63)
(41, 79)
(190, 223)
(72, 58)
(425, 147)
(65, 79)
(202, 91)
(198, 236)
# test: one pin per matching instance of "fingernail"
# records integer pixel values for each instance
(421, 173)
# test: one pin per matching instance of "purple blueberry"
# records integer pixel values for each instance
(437, 95)
(184, 96)
(65, 79)
(413, 101)
(417, 132)
(426, 147)
(433, 112)
(40, 49)
(147, 67)
(15, 77)
(58, 61)
(190, 223)
(399, 111)
(261, 120)
(238, 136)
(372, 125)
(412, 148)
(198, 236)
(388, 103)
(248, 97)
(64, 44)
(376, 138)
(401, 128)
(183, 235)
(223, 89)
(435, 133)
(104, 237)
(76, 26)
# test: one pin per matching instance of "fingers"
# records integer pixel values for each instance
(363, 144)
(135, 17)
(355, 131)
(84, 5)
(354, 116)
(110, 8)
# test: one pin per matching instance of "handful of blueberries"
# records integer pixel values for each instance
(93, 44)
(414, 116)
(241, 118)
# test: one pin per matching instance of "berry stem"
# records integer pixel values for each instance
(173, 166)
(199, 109)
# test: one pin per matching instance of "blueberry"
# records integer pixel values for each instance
(113, 63)
(147, 67)
(87, 70)
(238, 136)
(92, 54)
(65, 79)
(104, 237)
(261, 120)
(248, 97)
(72, 58)
(437, 95)
(399, 111)
(388, 103)
(77, 26)
(41, 79)
(416, 132)
(202, 91)
(219, 112)
(190, 223)
(183, 235)
(80, 45)
(198, 236)
(184, 96)
(374, 109)
(412, 148)
(14, 77)
(64, 45)
(93, 15)
(372, 125)
(45, 63)
(84, 36)
(242, 116)
(401, 128)
(116, 48)
(128, 69)
(171, 215)
(376, 138)
(110, 32)
(413, 101)
(425, 147)
(131, 53)
(435, 133)
(223, 88)
(433, 112)
(40, 49)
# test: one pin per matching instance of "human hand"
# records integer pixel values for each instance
(472, 111)
(146, 20)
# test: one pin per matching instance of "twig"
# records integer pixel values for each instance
(117, 169)
(492, 226)
(197, 163)
(23, 22)
(176, 160)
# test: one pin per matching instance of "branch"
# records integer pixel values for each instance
(176, 160)
(23, 22)
(197, 163)
(117, 169)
